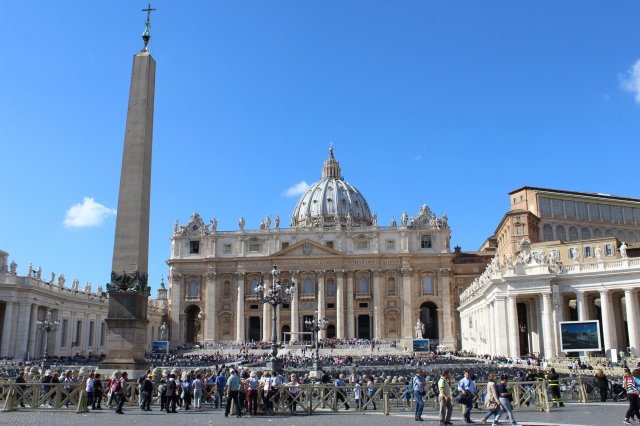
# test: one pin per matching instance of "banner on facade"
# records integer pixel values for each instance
(160, 347)
(421, 345)
(580, 336)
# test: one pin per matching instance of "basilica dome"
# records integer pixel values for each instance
(331, 201)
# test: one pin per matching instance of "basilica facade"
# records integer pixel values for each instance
(370, 281)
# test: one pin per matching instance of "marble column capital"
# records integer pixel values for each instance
(320, 273)
(406, 272)
(211, 275)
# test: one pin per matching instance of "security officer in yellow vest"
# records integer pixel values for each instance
(553, 379)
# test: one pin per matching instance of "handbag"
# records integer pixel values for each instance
(493, 406)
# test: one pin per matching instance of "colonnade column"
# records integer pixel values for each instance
(406, 309)
(266, 322)
(631, 302)
(22, 339)
(6, 329)
(339, 304)
(240, 308)
(31, 339)
(447, 316)
(580, 306)
(210, 320)
(322, 303)
(502, 337)
(547, 327)
(350, 318)
(378, 313)
(514, 327)
(294, 309)
(608, 320)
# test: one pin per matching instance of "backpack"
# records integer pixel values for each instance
(116, 387)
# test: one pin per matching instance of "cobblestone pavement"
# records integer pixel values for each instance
(593, 414)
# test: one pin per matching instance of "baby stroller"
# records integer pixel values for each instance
(617, 392)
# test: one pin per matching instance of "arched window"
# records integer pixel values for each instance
(363, 285)
(547, 232)
(620, 235)
(226, 290)
(561, 233)
(331, 288)
(585, 234)
(573, 233)
(608, 233)
(308, 286)
(597, 233)
(427, 285)
(391, 286)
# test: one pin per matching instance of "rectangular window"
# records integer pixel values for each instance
(427, 285)
(583, 214)
(570, 209)
(536, 256)
(627, 212)
(329, 244)
(425, 241)
(226, 249)
(331, 305)
(285, 245)
(605, 213)
(594, 211)
(63, 332)
(91, 325)
(78, 333)
(363, 305)
(545, 206)
(588, 252)
(194, 247)
(255, 247)
(390, 245)
(616, 214)
(558, 210)
(519, 229)
(609, 250)
(572, 253)
(362, 245)
(253, 307)
(103, 333)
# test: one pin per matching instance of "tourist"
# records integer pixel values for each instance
(357, 394)
(89, 387)
(292, 393)
(252, 393)
(631, 387)
(162, 393)
(21, 382)
(197, 391)
(505, 398)
(146, 392)
(340, 396)
(186, 391)
(407, 391)
(371, 392)
(444, 398)
(419, 391)
(171, 394)
(233, 387)
(554, 386)
(603, 384)
(221, 383)
(97, 392)
(267, 393)
(468, 390)
(491, 399)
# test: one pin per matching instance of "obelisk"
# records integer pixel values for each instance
(128, 289)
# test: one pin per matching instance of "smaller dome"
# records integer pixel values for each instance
(331, 201)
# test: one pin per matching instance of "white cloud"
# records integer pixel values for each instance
(297, 189)
(89, 213)
(631, 81)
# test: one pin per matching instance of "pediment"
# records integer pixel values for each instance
(307, 247)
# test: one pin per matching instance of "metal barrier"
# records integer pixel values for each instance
(302, 399)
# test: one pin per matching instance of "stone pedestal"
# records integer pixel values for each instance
(275, 365)
(126, 333)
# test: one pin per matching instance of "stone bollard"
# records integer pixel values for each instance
(10, 404)
(82, 402)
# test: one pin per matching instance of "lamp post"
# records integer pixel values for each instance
(275, 294)
(316, 324)
(47, 326)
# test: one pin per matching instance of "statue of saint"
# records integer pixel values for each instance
(267, 222)
(419, 329)
(163, 331)
(53, 277)
(214, 224)
(176, 227)
(405, 218)
(277, 221)
(394, 224)
(13, 267)
(598, 253)
(623, 250)
(374, 219)
(39, 273)
(241, 223)
(30, 272)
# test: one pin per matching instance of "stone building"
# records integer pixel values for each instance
(80, 309)
(371, 281)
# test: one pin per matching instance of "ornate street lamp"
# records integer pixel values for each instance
(316, 324)
(47, 326)
(275, 294)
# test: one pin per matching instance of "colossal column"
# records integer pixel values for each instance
(6, 329)
(378, 311)
(210, 319)
(350, 317)
(339, 304)
(631, 303)
(322, 303)
(406, 307)
(128, 289)
(240, 310)
(447, 314)
(294, 310)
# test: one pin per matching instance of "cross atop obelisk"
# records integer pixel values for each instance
(146, 35)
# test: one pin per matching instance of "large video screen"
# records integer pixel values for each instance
(580, 336)
(421, 345)
(160, 347)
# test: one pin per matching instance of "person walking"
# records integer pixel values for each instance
(419, 391)
(221, 383)
(371, 392)
(162, 392)
(233, 387)
(491, 399)
(603, 384)
(89, 386)
(444, 398)
(98, 391)
(170, 403)
(146, 393)
(340, 396)
(505, 398)
(252, 393)
(68, 386)
(631, 387)
(554, 385)
(468, 391)
(197, 391)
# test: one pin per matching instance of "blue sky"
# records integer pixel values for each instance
(449, 103)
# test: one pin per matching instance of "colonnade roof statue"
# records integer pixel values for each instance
(331, 201)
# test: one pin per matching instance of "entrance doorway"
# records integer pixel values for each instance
(364, 327)
(429, 317)
(254, 329)
(193, 325)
